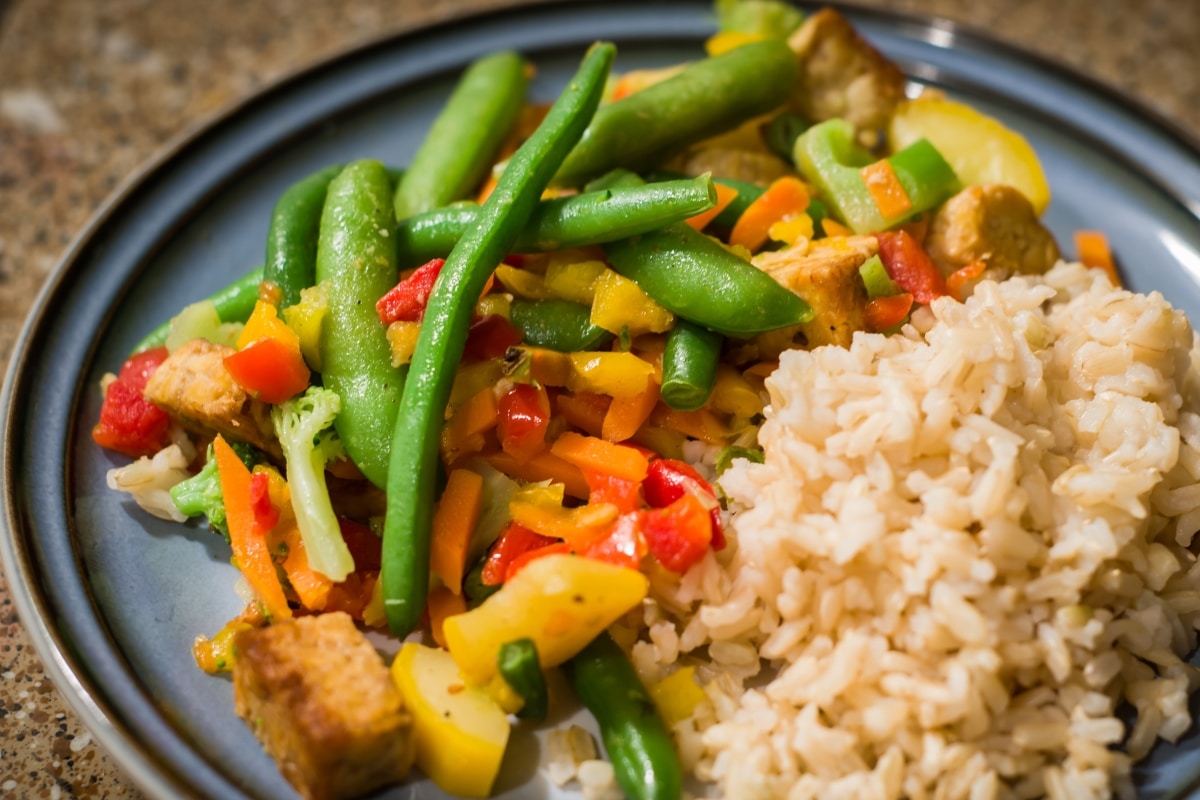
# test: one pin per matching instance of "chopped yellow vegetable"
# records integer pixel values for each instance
(733, 394)
(523, 283)
(621, 305)
(980, 148)
(460, 732)
(402, 339)
(306, 319)
(562, 602)
(264, 323)
(574, 280)
(725, 41)
(613, 374)
(677, 695)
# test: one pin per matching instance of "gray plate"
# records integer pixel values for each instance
(112, 598)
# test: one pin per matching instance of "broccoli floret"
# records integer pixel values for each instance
(201, 493)
(302, 425)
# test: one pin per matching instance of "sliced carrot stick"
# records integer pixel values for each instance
(453, 523)
(545, 466)
(885, 189)
(248, 539)
(626, 415)
(1091, 247)
(441, 605)
(725, 196)
(584, 410)
(596, 454)
(785, 196)
(310, 586)
(462, 433)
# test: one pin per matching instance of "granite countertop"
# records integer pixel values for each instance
(88, 91)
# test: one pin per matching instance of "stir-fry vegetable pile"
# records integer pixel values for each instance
(484, 398)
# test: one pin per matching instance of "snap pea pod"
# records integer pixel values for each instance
(414, 456)
(697, 279)
(292, 238)
(518, 665)
(689, 365)
(356, 257)
(234, 303)
(705, 98)
(747, 193)
(639, 746)
(560, 325)
(575, 221)
(465, 137)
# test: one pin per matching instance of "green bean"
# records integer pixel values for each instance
(639, 746)
(292, 238)
(560, 325)
(356, 257)
(698, 280)
(412, 471)
(465, 137)
(705, 98)
(234, 303)
(689, 366)
(583, 219)
(518, 665)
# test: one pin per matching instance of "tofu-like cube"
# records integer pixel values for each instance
(194, 387)
(843, 75)
(825, 273)
(321, 701)
(995, 224)
(752, 166)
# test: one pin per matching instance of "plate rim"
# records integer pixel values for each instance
(21, 570)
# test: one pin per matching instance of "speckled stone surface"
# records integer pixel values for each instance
(89, 90)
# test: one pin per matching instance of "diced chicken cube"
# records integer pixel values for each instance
(995, 224)
(194, 387)
(843, 75)
(324, 706)
(825, 273)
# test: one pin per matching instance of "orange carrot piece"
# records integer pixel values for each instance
(584, 410)
(700, 424)
(834, 228)
(885, 189)
(441, 605)
(957, 281)
(596, 454)
(453, 523)
(463, 432)
(310, 586)
(626, 415)
(725, 196)
(545, 466)
(248, 539)
(1091, 248)
(574, 525)
(785, 197)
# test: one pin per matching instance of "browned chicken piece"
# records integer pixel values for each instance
(752, 166)
(321, 701)
(825, 273)
(194, 387)
(994, 223)
(842, 75)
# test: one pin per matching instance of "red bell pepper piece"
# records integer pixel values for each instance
(523, 417)
(679, 534)
(606, 488)
(129, 423)
(519, 563)
(407, 300)
(490, 337)
(910, 266)
(352, 595)
(514, 541)
(883, 313)
(365, 547)
(667, 480)
(269, 369)
(266, 515)
(624, 546)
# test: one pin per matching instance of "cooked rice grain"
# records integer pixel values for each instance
(968, 544)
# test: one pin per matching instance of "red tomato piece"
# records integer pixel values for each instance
(514, 541)
(490, 337)
(910, 266)
(407, 300)
(129, 423)
(269, 370)
(523, 417)
(605, 488)
(624, 546)
(668, 479)
(679, 534)
(365, 547)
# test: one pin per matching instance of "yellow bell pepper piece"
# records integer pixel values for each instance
(574, 280)
(621, 305)
(725, 41)
(562, 602)
(460, 732)
(980, 148)
(402, 339)
(613, 374)
(677, 695)
(264, 323)
(733, 394)
(523, 283)
(306, 319)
